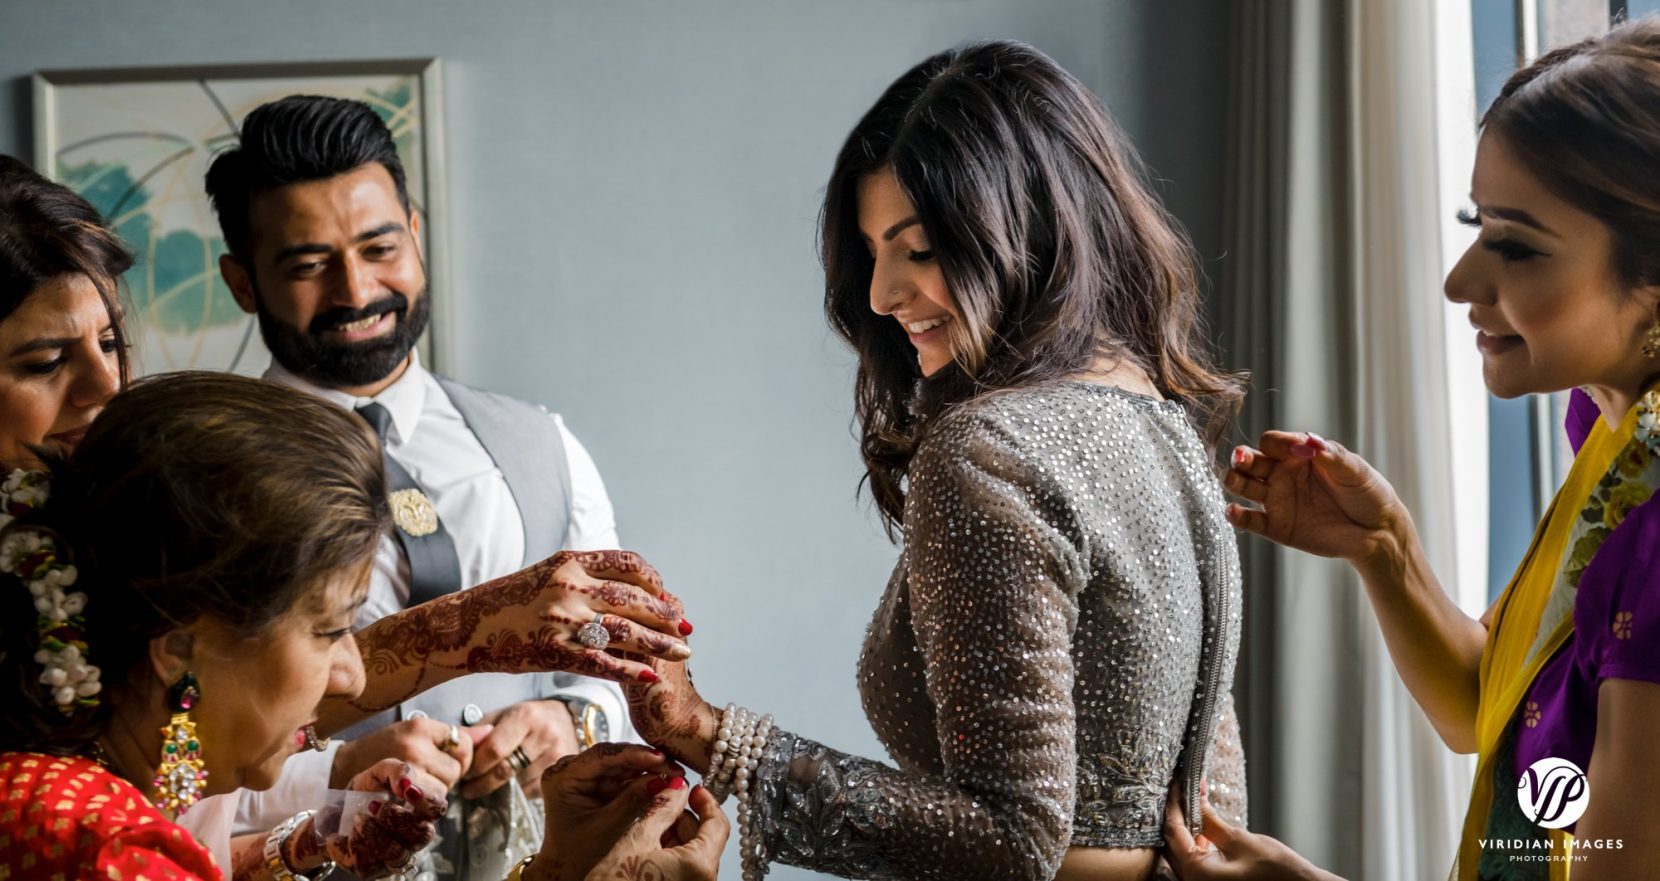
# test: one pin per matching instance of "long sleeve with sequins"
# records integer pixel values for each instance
(989, 599)
(1054, 640)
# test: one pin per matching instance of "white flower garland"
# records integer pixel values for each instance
(32, 555)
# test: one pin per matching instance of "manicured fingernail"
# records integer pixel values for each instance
(1304, 451)
(656, 785)
(648, 676)
(680, 652)
(414, 794)
(1239, 457)
(699, 788)
(403, 787)
(1317, 442)
(374, 807)
(657, 752)
(677, 783)
(685, 627)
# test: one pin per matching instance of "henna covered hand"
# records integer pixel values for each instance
(591, 799)
(521, 623)
(670, 713)
(383, 840)
(654, 851)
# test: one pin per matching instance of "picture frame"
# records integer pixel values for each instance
(137, 143)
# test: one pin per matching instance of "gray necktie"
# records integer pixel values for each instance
(434, 568)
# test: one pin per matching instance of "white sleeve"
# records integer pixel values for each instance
(593, 523)
(593, 528)
(303, 786)
(209, 821)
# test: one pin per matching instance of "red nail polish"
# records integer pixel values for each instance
(685, 627)
(677, 783)
(648, 676)
(403, 787)
(656, 785)
(374, 807)
(1238, 458)
(414, 794)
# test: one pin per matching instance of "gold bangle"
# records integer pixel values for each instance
(517, 872)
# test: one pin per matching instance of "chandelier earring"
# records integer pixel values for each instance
(181, 774)
(1651, 341)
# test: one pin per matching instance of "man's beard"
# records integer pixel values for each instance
(306, 353)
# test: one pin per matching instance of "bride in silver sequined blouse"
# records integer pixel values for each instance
(1056, 646)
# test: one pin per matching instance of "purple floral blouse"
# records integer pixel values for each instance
(1615, 634)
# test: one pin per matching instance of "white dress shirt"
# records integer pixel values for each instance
(431, 441)
(428, 437)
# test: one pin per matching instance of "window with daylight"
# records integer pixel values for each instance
(1525, 435)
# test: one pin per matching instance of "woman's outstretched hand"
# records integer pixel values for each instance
(526, 622)
(668, 712)
(618, 811)
(1313, 495)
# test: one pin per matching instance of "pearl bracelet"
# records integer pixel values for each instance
(740, 743)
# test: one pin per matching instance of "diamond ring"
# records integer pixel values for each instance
(593, 634)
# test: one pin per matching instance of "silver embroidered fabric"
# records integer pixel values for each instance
(1057, 639)
(1225, 770)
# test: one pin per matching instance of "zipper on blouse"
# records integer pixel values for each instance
(1210, 683)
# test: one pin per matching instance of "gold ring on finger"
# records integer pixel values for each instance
(518, 760)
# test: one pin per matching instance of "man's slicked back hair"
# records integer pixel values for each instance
(294, 140)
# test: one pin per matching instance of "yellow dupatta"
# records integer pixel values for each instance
(1529, 625)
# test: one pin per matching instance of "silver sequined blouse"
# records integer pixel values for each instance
(1057, 638)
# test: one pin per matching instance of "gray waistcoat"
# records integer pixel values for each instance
(526, 446)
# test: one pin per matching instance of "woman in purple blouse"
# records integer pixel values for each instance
(1557, 686)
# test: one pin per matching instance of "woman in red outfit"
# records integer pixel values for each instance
(178, 579)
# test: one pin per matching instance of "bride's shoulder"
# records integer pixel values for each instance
(1001, 431)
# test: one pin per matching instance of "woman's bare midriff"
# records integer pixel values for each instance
(1107, 864)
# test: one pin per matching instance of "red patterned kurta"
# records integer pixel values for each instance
(70, 818)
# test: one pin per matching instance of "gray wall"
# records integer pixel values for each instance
(634, 188)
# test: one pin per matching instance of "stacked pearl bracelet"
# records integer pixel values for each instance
(740, 741)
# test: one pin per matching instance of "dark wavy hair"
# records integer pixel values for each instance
(46, 231)
(1051, 246)
(192, 494)
(294, 140)
(1585, 120)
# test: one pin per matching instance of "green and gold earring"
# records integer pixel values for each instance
(182, 774)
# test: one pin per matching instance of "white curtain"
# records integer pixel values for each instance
(1405, 72)
(1339, 245)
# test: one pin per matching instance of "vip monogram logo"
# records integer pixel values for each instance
(1553, 793)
